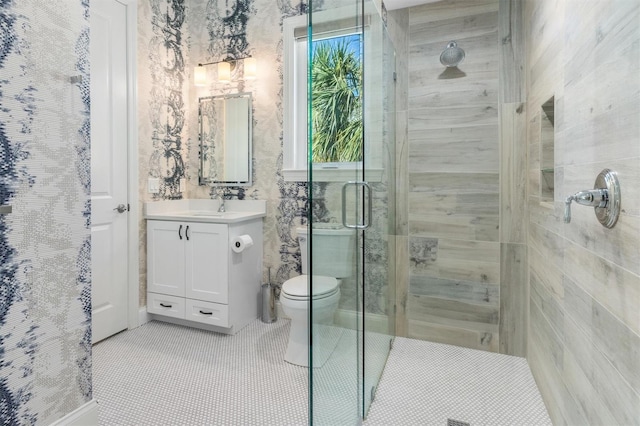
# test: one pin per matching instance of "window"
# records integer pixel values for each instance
(337, 109)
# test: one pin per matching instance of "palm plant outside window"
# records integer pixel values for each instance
(337, 100)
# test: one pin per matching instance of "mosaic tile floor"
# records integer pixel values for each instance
(163, 374)
(428, 383)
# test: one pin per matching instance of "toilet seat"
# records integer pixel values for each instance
(297, 288)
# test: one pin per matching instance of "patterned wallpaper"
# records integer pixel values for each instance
(212, 31)
(45, 334)
(163, 101)
(234, 31)
(225, 30)
(166, 101)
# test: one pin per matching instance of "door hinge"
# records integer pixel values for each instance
(128, 207)
(395, 76)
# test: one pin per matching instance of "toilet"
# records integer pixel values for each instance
(333, 254)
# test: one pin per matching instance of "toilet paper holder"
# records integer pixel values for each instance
(241, 243)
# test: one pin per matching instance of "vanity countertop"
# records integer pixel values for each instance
(206, 210)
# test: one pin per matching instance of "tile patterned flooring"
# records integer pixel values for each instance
(427, 383)
(164, 374)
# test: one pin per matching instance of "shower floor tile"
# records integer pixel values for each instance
(164, 374)
(428, 383)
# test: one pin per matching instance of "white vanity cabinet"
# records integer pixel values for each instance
(188, 259)
(194, 277)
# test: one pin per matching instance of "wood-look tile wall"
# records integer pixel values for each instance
(584, 329)
(397, 24)
(451, 274)
(513, 181)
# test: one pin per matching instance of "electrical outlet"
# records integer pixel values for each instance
(183, 185)
(153, 185)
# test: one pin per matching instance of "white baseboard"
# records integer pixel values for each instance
(86, 415)
(143, 316)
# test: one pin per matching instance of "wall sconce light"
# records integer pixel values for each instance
(224, 70)
(200, 76)
(250, 68)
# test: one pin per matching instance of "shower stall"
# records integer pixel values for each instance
(435, 229)
(478, 119)
(423, 198)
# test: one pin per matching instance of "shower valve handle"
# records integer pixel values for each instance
(604, 198)
(590, 198)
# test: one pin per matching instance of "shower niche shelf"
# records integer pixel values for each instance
(547, 146)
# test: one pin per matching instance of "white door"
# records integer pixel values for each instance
(109, 162)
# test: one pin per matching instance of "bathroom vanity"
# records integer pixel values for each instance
(204, 267)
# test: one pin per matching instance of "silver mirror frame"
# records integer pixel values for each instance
(207, 181)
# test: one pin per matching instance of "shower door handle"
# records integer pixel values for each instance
(366, 222)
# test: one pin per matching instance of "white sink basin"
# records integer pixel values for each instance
(227, 215)
(209, 214)
(213, 216)
(205, 211)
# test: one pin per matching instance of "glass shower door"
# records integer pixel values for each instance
(335, 40)
(378, 266)
(351, 115)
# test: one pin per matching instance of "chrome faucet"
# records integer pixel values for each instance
(221, 208)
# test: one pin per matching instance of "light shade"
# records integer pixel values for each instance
(250, 68)
(199, 76)
(224, 72)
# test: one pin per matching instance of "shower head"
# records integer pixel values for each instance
(452, 55)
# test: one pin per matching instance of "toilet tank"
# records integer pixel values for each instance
(333, 249)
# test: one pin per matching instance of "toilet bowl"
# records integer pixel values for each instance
(333, 251)
(294, 298)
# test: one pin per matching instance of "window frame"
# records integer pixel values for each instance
(295, 101)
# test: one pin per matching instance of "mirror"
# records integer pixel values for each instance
(225, 140)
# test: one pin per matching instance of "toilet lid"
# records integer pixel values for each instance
(297, 286)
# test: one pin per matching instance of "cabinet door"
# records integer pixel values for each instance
(207, 254)
(166, 257)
